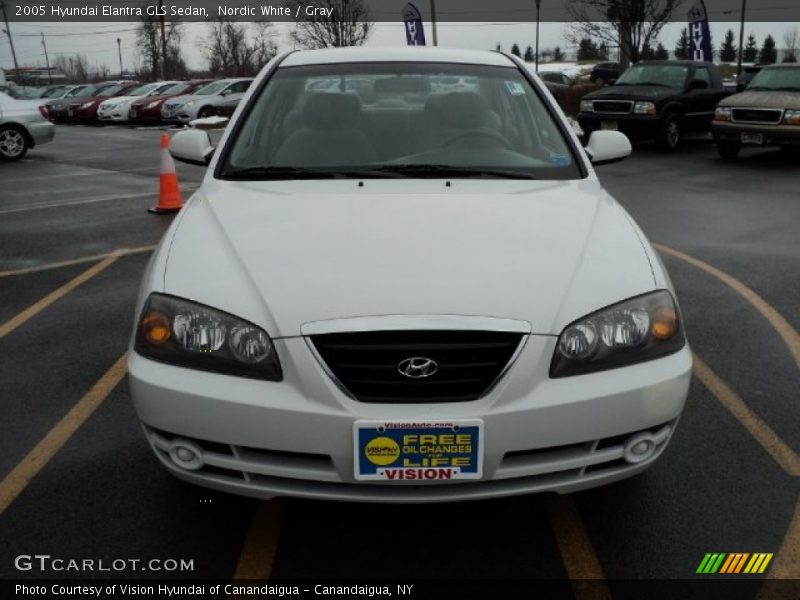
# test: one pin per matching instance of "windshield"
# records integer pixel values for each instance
(56, 92)
(107, 90)
(664, 75)
(396, 120)
(783, 79)
(174, 89)
(211, 88)
(141, 90)
(87, 91)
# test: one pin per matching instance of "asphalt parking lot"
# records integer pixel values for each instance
(78, 479)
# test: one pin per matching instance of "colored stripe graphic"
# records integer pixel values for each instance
(734, 563)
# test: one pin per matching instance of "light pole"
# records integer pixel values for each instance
(433, 23)
(538, 5)
(7, 31)
(47, 61)
(741, 41)
(119, 49)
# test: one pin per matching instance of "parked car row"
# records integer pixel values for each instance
(146, 103)
(665, 100)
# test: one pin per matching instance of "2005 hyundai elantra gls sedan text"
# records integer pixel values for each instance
(393, 292)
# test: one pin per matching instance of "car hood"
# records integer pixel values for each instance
(763, 99)
(282, 254)
(120, 99)
(632, 92)
(142, 101)
(185, 98)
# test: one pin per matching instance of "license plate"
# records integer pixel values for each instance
(609, 125)
(752, 138)
(418, 451)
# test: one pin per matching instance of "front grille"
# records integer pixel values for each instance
(612, 106)
(757, 115)
(367, 364)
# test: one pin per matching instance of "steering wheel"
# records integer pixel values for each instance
(496, 137)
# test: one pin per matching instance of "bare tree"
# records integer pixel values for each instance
(238, 49)
(76, 68)
(629, 24)
(148, 36)
(791, 39)
(347, 24)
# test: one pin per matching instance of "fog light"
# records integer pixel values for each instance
(639, 448)
(186, 455)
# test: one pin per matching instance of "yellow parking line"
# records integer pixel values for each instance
(76, 261)
(188, 188)
(258, 551)
(785, 563)
(577, 553)
(787, 333)
(18, 479)
(39, 306)
(788, 460)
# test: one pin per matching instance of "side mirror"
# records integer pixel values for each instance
(740, 87)
(192, 146)
(698, 84)
(606, 147)
(612, 81)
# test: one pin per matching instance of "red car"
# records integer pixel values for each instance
(147, 111)
(84, 110)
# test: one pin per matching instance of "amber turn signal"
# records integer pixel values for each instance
(155, 327)
(664, 324)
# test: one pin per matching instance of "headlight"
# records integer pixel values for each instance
(87, 104)
(108, 106)
(644, 108)
(187, 334)
(723, 113)
(636, 330)
(791, 117)
(587, 106)
(153, 104)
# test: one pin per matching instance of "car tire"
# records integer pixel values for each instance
(729, 150)
(13, 142)
(670, 135)
(205, 112)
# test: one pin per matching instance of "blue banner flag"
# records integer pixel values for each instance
(415, 34)
(699, 32)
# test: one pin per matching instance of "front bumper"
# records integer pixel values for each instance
(41, 132)
(294, 437)
(636, 127)
(114, 115)
(772, 135)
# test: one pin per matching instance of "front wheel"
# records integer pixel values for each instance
(670, 135)
(205, 112)
(13, 144)
(729, 150)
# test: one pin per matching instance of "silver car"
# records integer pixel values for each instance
(203, 101)
(23, 125)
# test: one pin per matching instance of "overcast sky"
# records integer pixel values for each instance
(98, 40)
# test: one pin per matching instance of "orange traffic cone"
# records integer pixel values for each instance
(169, 194)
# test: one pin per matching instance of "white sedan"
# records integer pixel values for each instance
(23, 125)
(118, 108)
(404, 294)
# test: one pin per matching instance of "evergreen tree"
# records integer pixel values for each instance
(751, 50)
(768, 54)
(683, 47)
(661, 52)
(499, 48)
(587, 50)
(529, 57)
(647, 52)
(515, 50)
(558, 54)
(602, 51)
(728, 51)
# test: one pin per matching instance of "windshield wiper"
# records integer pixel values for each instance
(787, 88)
(256, 173)
(435, 171)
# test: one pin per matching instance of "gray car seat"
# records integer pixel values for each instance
(329, 135)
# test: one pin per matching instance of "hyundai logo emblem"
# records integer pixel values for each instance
(417, 367)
